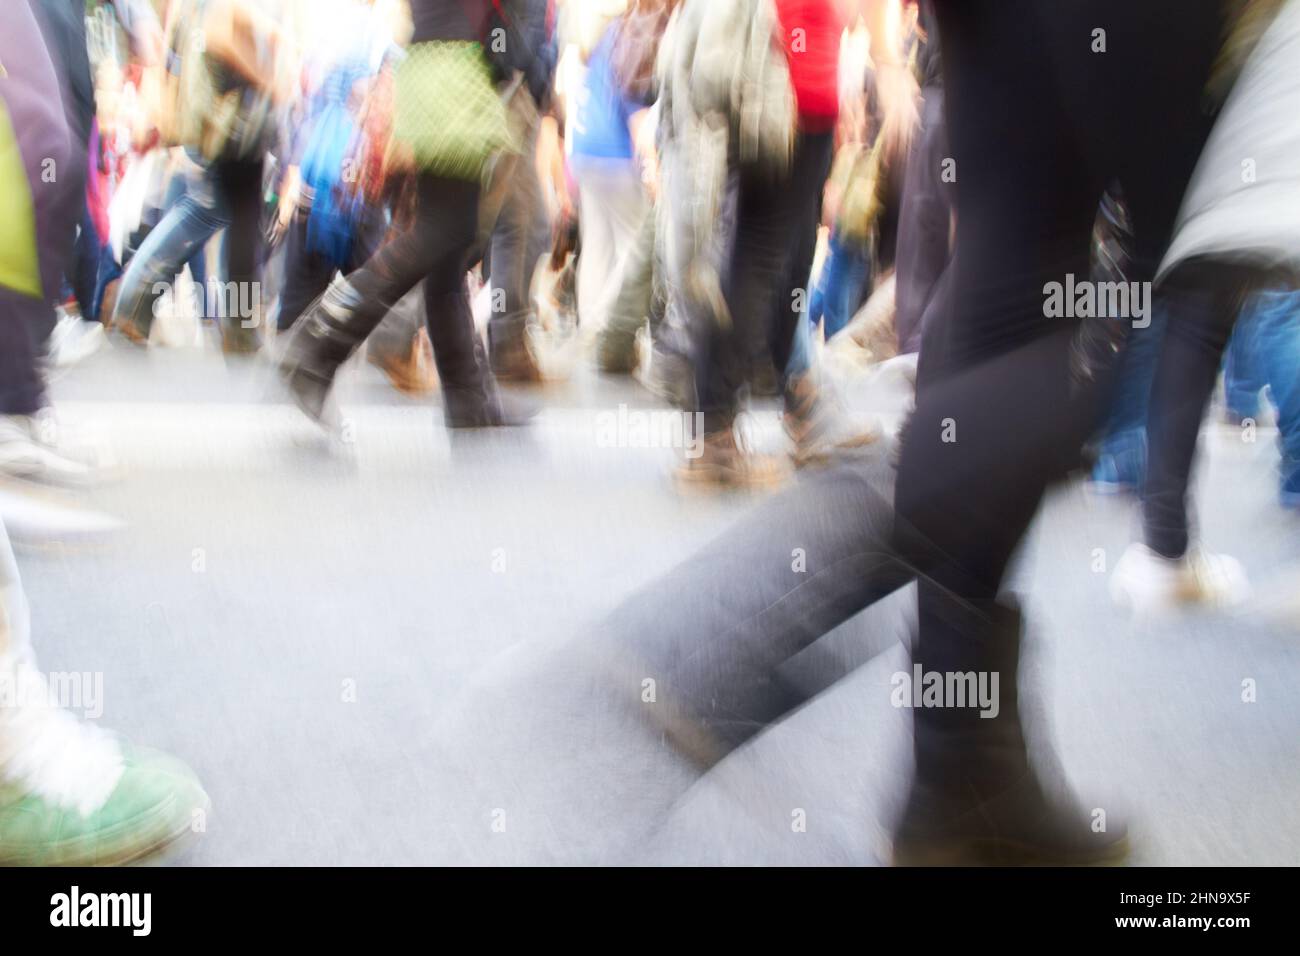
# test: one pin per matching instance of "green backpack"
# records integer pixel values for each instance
(447, 110)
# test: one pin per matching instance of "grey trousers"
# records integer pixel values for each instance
(585, 745)
(520, 232)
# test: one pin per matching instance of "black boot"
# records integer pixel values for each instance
(321, 341)
(976, 799)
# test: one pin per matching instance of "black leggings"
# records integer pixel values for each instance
(1205, 297)
(1039, 124)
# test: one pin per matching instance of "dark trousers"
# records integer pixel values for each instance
(86, 256)
(241, 182)
(924, 224)
(435, 250)
(22, 390)
(64, 30)
(1039, 124)
(1204, 298)
(307, 273)
(775, 238)
(1031, 175)
(1004, 416)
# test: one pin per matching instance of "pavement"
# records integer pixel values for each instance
(358, 644)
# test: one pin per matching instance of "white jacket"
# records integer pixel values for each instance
(1243, 201)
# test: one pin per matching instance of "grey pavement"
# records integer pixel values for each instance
(360, 645)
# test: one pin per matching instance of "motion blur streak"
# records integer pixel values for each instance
(822, 386)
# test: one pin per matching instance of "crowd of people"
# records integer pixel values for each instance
(697, 193)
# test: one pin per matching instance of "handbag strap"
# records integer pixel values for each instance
(496, 5)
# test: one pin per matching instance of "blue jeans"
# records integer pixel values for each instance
(1265, 351)
(801, 354)
(197, 215)
(1242, 381)
(110, 269)
(840, 285)
(198, 263)
(1122, 455)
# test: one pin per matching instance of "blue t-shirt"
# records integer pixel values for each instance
(599, 125)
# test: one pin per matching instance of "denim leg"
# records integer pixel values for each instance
(199, 273)
(1132, 393)
(817, 297)
(714, 631)
(108, 271)
(1122, 455)
(848, 281)
(1276, 314)
(800, 352)
(177, 187)
(185, 228)
(822, 303)
(1243, 376)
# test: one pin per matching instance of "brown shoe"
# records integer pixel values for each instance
(108, 303)
(818, 426)
(512, 360)
(131, 332)
(238, 340)
(724, 462)
(124, 326)
(413, 374)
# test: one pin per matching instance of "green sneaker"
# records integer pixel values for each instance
(73, 795)
(156, 802)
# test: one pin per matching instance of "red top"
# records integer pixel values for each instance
(810, 33)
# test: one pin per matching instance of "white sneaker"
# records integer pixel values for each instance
(1144, 580)
(74, 339)
(29, 450)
